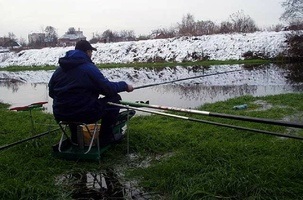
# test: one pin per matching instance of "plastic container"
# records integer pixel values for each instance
(84, 136)
(240, 107)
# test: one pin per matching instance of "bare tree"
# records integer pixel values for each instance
(11, 36)
(206, 27)
(188, 26)
(143, 37)
(164, 33)
(226, 27)
(109, 36)
(293, 10)
(242, 23)
(51, 36)
(126, 35)
(276, 28)
(71, 30)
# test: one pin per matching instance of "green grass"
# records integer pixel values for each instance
(144, 65)
(14, 68)
(28, 170)
(211, 162)
(185, 160)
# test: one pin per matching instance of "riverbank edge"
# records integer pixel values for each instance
(152, 65)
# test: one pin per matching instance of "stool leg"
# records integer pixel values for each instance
(73, 130)
(93, 137)
(63, 126)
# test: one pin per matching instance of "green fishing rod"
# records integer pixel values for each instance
(205, 121)
(27, 139)
(183, 79)
(214, 114)
(37, 105)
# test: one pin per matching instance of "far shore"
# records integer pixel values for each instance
(153, 65)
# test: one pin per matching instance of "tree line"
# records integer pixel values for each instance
(237, 23)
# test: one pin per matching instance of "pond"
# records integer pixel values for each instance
(259, 80)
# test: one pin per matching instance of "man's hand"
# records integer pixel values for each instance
(130, 88)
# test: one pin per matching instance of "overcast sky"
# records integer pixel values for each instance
(22, 17)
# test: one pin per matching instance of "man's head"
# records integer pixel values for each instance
(84, 45)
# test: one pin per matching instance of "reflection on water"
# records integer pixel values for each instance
(93, 185)
(258, 80)
(295, 74)
(22, 94)
(100, 185)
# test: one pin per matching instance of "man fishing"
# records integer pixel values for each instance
(75, 87)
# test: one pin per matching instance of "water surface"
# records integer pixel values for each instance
(251, 80)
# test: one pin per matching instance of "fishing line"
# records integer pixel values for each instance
(182, 79)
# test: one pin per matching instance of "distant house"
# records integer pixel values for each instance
(4, 49)
(34, 38)
(7, 44)
(12, 44)
(71, 37)
(3, 40)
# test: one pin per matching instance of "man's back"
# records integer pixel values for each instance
(74, 93)
(75, 88)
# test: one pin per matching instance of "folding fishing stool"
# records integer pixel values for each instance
(93, 134)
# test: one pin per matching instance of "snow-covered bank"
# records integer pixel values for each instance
(215, 47)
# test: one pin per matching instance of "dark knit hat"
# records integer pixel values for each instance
(84, 45)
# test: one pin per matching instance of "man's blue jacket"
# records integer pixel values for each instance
(75, 87)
